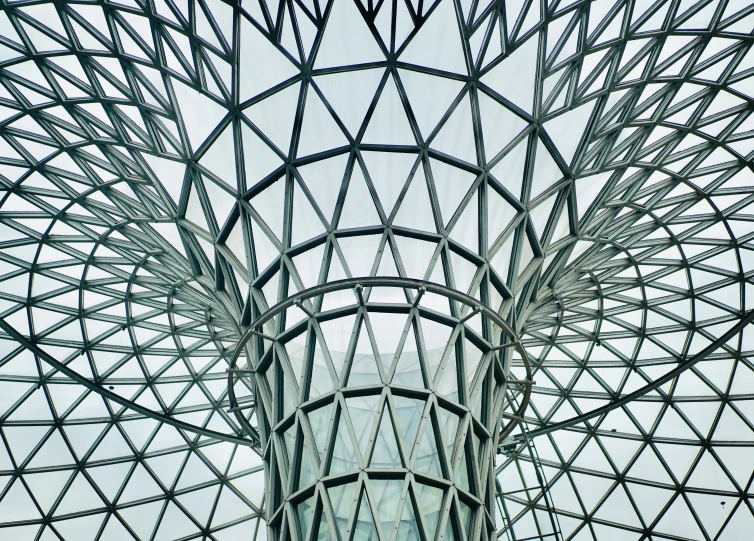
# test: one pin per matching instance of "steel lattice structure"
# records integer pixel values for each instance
(378, 414)
(172, 169)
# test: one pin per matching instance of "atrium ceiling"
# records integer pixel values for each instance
(170, 169)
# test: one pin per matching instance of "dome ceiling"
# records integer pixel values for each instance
(171, 169)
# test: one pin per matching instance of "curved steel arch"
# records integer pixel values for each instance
(105, 393)
(660, 381)
(350, 283)
(286, 414)
(585, 53)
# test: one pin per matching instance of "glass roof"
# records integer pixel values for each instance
(169, 169)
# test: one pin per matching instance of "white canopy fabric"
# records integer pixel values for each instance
(171, 168)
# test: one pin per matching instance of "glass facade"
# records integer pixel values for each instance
(380, 415)
(173, 170)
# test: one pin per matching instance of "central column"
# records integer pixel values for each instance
(379, 405)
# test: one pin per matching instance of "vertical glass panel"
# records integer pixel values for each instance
(466, 516)
(295, 350)
(462, 472)
(408, 529)
(448, 383)
(321, 381)
(448, 535)
(269, 375)
(408, 370)
(448, 428)
(290, 395)
(342, 503)
(386, 453)
(344, 456)
(409, 415)
(364, 366)
(289, 441)
(428, 460)
(430, 501)
(476, 403)
(337, 335)
(473, 358)
(319, 420)
(293, 315)
(432, 362)
(308, 472)
(305, 510)
(323, 530)
(387, 495)
(363, 410)
(338, 359)
(479, 446)
(364, 529)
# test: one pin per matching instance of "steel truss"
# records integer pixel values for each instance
(170, 170)
(356, 425)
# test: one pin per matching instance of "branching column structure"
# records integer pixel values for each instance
(171, 170)
(380, 412)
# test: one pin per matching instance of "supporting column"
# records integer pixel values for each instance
(379, 406)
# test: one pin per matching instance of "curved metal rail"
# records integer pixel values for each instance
(355, 283)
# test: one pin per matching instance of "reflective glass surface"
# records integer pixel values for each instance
(386, 400)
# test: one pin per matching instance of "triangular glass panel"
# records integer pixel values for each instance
(438, 43)
(363, 410)
(385, 452)
(430, 501)
(321, 377)
(388, 123)
(449, 427)
(275, 114)
(466, 517)
(342, 499)
(429, 108)
(451, 185)
(500, 125)
(449, 532)
(344, 457)
(388, 172)
(387, 495)
(323, 530)
(320, 177)
(262, 64)
(319, 131)
(408, 369)
(462, 471)
(319, 421)
(456, 137)
(409, 415)
(427, 458)
(364, 528)
(349, 94)
(305, 512)
(448, 374)
(358, 208)
(347, 39)
(415, 211)
(364, 370)
(518, 90)
(308, 468)
(408, 528)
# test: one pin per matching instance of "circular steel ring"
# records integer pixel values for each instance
(404, 283)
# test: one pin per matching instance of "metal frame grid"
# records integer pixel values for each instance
(379, 415)
(171, 170)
